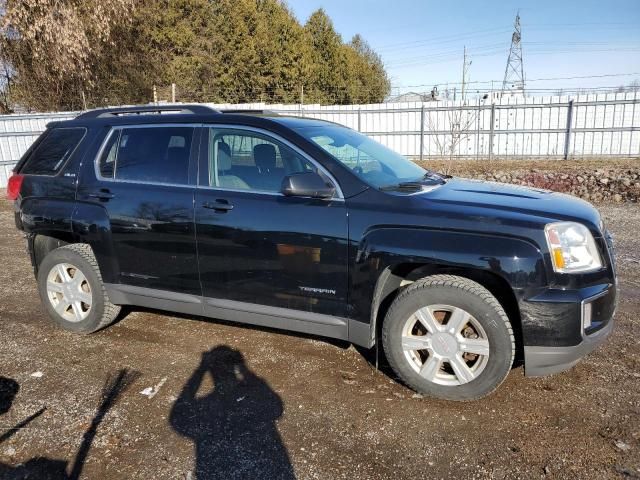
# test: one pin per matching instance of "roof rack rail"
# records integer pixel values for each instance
(146, 109)
(249, 111)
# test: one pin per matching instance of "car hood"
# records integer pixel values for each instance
(514, 199)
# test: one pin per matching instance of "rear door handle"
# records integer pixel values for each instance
(219, 205)
(101, 194)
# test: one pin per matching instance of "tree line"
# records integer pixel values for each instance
(72, 54)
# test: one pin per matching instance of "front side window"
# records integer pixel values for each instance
(371, 161)
(243, 160)
(53, 151)
(153, 154)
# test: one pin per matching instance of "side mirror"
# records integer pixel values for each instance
(307, 184)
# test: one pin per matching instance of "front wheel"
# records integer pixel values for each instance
(446, 336)
(72, 291)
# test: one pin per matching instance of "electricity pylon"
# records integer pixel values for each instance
(514, 73)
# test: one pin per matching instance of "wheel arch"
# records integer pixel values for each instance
(40, 244)
(389, 257)
(394, 277)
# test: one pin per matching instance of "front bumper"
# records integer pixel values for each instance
(584, 335)
(540, 361)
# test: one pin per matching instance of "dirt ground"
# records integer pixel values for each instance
(306, 408)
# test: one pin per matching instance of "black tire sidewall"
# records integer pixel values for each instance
(500, 341)
(65, 255)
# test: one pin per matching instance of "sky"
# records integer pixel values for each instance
(421, 42)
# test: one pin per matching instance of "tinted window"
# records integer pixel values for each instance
(250, 161)
(53, 151)
(155, 154)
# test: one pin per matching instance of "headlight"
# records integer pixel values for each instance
(572, 248)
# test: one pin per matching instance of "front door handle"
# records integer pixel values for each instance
(103, 194)
(219, 205)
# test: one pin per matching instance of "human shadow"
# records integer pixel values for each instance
(43, 468)
(233, 423)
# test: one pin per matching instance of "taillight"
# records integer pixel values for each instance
(14, 185)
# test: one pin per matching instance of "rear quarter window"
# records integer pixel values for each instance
(157, 154)
(53, 151)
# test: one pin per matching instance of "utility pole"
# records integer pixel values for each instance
(173, 93)
(466, 63)
(514, 73)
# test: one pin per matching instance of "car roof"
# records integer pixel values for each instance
(179, 113)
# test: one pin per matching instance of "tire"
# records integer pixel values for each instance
(81, 287)
(429, 350)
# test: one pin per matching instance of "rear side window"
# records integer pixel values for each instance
(154, 154)
(53, 151)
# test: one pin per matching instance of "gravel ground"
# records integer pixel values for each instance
(306, 407)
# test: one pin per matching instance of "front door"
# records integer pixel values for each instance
(256, 245)
(143, 180)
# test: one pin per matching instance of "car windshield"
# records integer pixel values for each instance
(371, 161)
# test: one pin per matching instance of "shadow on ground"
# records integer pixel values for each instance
(225, 409)
(44, 468)
(232, 423)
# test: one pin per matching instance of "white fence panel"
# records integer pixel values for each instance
(560, 127)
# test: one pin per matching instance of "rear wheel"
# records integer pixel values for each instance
(72, 291)
(448, 337)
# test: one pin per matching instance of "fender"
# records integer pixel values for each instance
(50, 218)
(46, 216)
(90, 224)
(386, 255)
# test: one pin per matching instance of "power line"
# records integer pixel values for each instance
(452, 57)
(439, 40)
(577, 77)
(535, 48)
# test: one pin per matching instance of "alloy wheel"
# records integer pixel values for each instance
(445, 344)
(69, 292)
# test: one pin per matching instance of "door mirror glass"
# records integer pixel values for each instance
(307, 184)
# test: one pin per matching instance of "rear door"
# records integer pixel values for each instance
(145, 180)
(256, 245)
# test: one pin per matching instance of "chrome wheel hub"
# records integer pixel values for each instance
(69, 292)
(445, 344)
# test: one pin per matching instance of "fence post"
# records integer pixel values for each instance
(491, 128)
(422, 132)
(359, 120)
(567, 136)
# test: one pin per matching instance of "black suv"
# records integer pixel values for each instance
(306, 225)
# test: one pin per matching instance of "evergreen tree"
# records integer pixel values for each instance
(329, 61)
(370, 82)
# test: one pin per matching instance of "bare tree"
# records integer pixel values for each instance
(450, 132)
(48, 46)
